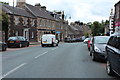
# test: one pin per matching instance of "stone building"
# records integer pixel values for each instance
(32, 21)
(77, 30)
(117, 18)
(21, 22)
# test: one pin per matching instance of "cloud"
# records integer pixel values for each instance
(83, 10)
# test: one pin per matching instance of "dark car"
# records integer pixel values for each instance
(113, 55)
(98, 47)
(67, 39)
(17, 41)
(3, 46)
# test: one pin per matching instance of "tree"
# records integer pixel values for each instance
(4, 3)
(5, 24)
(97, 27)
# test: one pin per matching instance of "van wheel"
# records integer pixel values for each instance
(53, 44)
(109, 69)
(42, 45)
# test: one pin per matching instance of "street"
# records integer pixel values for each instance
(68, 60)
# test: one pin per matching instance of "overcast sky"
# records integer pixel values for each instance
(82, 10)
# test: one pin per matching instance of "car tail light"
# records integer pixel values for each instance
(88, 41)
(17, 41)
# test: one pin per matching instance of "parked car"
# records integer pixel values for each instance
(98, 47)
(78, 39)
(3, 46)
(67, 39)
(49, 39)
(113, 55)
(89, 42)
(17, 41)
(86, 40)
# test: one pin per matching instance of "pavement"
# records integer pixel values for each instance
(68, 60)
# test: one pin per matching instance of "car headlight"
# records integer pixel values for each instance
(97, 49)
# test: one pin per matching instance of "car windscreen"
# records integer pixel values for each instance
(87, 39)
(101, 40)
(12, 38)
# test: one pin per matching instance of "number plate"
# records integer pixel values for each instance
(44, 42)
(11, 41)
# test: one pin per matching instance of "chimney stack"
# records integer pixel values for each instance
(43, 7)
(38, 5)
(21, 3)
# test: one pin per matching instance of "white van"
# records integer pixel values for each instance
(49, 39)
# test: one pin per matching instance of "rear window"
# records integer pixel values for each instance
(101, 40)
(12, 38)
(114, 42)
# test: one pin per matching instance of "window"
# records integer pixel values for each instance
(12, 38)
(32, 35)
(117, 14)
(110, 41)
(17, 33)
(25, 21)
(33, 22)
(40, 23)
(16, 20)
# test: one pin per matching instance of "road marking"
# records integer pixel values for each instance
(54, 48)
(13, 70)
(41, 54)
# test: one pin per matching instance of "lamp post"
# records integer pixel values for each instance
(67, 23)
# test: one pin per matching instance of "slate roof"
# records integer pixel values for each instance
(38, 12)
(17, 11)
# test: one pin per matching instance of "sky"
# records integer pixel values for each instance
(79, 10)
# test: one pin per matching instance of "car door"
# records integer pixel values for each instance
(113, 54)
(21, 40)
(24, 41)
(118, 55)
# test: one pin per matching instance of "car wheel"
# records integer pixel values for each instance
(93, 56)
(109, 69)
(88, 49)
(90, 53)
(4, 49)
(20, 45)
(28, 45)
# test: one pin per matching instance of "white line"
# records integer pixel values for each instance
(41, 54)
(54, 48)
(13, 70)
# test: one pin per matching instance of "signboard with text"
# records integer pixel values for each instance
(117, 24)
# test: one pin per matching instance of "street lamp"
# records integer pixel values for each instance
(69, 17)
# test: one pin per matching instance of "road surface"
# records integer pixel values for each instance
(68, 60)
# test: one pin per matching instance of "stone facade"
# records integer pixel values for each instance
(32, 21)
(117, 17)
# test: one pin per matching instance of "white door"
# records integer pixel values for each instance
(26, 34)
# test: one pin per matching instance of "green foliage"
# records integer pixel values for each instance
(86, 34)
(98, 28)
(4, 3)
(4, 21)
